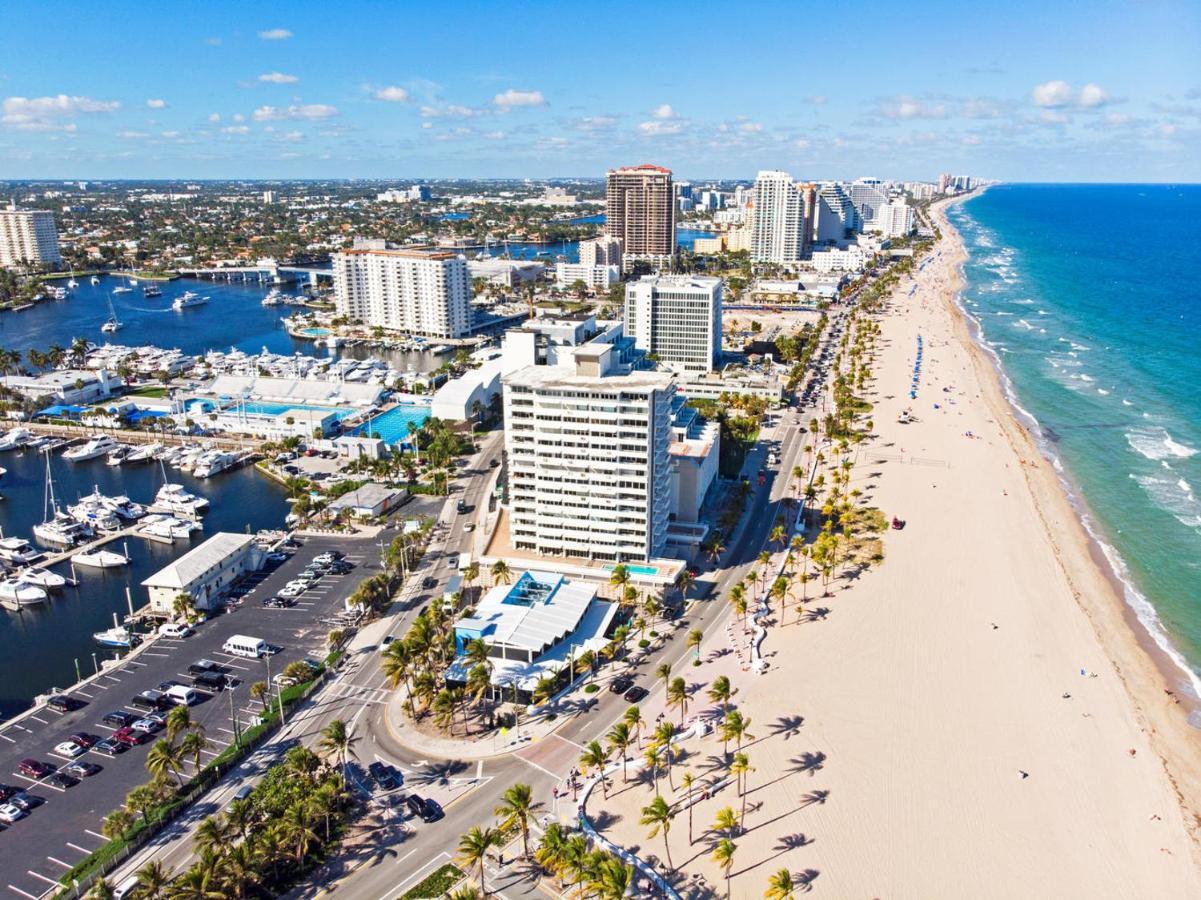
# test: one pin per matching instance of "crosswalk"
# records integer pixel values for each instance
(360, 692)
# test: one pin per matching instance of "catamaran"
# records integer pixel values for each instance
(59, 529)
(113, 324)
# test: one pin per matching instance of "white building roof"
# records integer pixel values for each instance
(196, 564)
(534, 612)
(296, 390)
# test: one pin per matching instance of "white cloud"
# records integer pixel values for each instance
(1167, 130)
(156, 104)
(1116, 119)
(47, 113)
(279, 78)
(817, 100)
(275, 34)
(906, 107)
(971, 139)
(664, 111)
(214, 117)
(1093, 95)
(657, 127)
(213, 41)
(291, 137)
(596, 123)
(750, 127)
(453, 111)
(495, 135)
(132, 135)
(801, 144)
(427, 124)
(393, 94)
(1052, 94)
(512, 98)
(306, 111)
(170, 134)
(429, 112)
(238, 117)
(235, 129)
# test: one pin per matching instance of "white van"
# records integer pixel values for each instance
(182, 695)
(125, 888)
(241, 645)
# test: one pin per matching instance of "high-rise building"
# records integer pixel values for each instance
(677, 318)
(28, 236)
(641, 212)
(781, 223)
(268, 197)
(893, 219)
(587, 446)
(835, 214)
(603, 251)
(868, 195)
(414, 290)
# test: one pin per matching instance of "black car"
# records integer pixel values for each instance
(63, 703)
(24, 801)
(210, 681)
(621, 684)
(416, 805)
(110, 747)
(165, 686)
(636, 693)
(61, 780)
(119, 719)
(384, 776)
(493, 463)
(428, 582)
(203, 665)
(341, 568)
(6, 791)
(433, 812)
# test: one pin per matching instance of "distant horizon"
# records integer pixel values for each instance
(300, 179)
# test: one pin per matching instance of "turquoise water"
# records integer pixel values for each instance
(316, 332)
(393, 426)
(274, 409)
(1086, 294)
(635, 569)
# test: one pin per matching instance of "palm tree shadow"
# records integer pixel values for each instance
(787, 725)
(817, 614)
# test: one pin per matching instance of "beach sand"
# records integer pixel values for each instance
(939, 677)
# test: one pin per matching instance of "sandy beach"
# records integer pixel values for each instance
(974, 717)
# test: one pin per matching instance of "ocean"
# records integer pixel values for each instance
(1086, 296)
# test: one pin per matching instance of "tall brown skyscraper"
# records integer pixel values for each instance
(641, 210)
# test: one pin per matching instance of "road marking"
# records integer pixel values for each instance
(7, 738)
(568, 740)
(84, 694)
(79, 848)
(43, 877)
(36, 719)
(149, 653)
(96, 834)
(22, 893)
(479, 770)
(538, 767)
(59, 861)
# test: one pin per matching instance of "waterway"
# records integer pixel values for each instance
(39, 647)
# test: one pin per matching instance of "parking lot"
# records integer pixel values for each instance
(65, 824)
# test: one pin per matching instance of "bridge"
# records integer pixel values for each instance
(265, 271)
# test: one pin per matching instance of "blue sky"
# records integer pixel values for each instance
(1040, 91)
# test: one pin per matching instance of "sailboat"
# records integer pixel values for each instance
(123, 289)
(113, 324)
(95, 279)
(72, 284)
(60, 528)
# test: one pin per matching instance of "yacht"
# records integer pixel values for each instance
(56, 293)
(59, 528)
(124, 508)
(14, 438)
(117, 455)
(95, 280)
(152, 290)
(169, 527)
(122, 290)
(174, 498)
(213, 463)
(16, 593)
(272, 298)
(145, 453)
(183, 301)
(93, 511)
(133, 280)
(19, 551)
(92, 448)
(100, 559)
(115, 637)
(43, 578)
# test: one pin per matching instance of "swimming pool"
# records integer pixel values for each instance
(257, 407)
(393, 426)
(315, 332)
(635, 569)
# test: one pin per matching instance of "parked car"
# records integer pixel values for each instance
(69, 749)
(24, 801)
(131, 737)
(7, 791)
(85, 740)
(110, 747)
(10, 813)
(147, 725)
(203, 665)
(174, 629)
(31, 768)
(385, 777)
(81, 769)
(119, 719)
(61, 780)
(64, 704)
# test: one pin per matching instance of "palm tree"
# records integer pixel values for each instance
(652, 757)
(396, 663)
(336, 740)
(260, 692)
(239, 870)
(101, 889)
(467, 892)
(153, 878)
(594, 757)
(720, 691)
(474, 847)
(677, 695)
(633, 718)
(298, 830)
(501, 573)
(723, 855)
(658, 816)
(663, 673)
(612, 879)
(517, 805)
(726, 823)
(687, 782)
(779, 591)
(164, 760)
(695, 636)
(735, 727)
(619, 739)
(179, 720)
(116, 823)
(780, 886)
(740, 768)
(620, 578)
(552, 849)
(192, 746)
(212, 835)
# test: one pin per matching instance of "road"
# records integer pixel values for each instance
(398, 852)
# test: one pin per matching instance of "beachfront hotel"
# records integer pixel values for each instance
(587, 442)
(418, 291)
(28, 237)
(677, 319)
(640, 211)
(782, 219)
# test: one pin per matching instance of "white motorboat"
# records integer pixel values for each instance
(152, 290)
(14, 438)
(213, 463)
(115, 637)
(16, 592)
(168, 527)
(95, 280)
(43, 578)
(97, 446)
(94, 512)
(100, 559)
(175, 498)
(56, 293)
(133, 280)
(145, 453)
(122, 290)
(113, 324)
(187, 300)
(72, 284)
(124, 508)
(117, 455)
(19, 551)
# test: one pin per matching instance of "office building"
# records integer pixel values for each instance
(599, 277)
(894, 219)
(640, 211)
(205, 573)
(603, 251)
(268, 197)
(415, 290)
(587, 444)
(28, 237)
(677, 319)
(781, 225)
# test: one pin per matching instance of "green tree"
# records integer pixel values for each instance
(516, 808)
(657, 816)
(473, 850)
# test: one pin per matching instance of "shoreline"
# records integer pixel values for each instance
(1148, 673)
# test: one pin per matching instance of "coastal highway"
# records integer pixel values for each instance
(394, 853)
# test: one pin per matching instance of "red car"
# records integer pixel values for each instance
(31, 768)
(130, 736)
(85, 740)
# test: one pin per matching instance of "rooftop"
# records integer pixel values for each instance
(639, 381)
(195, 564)
(369, 496)
(533, 613)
